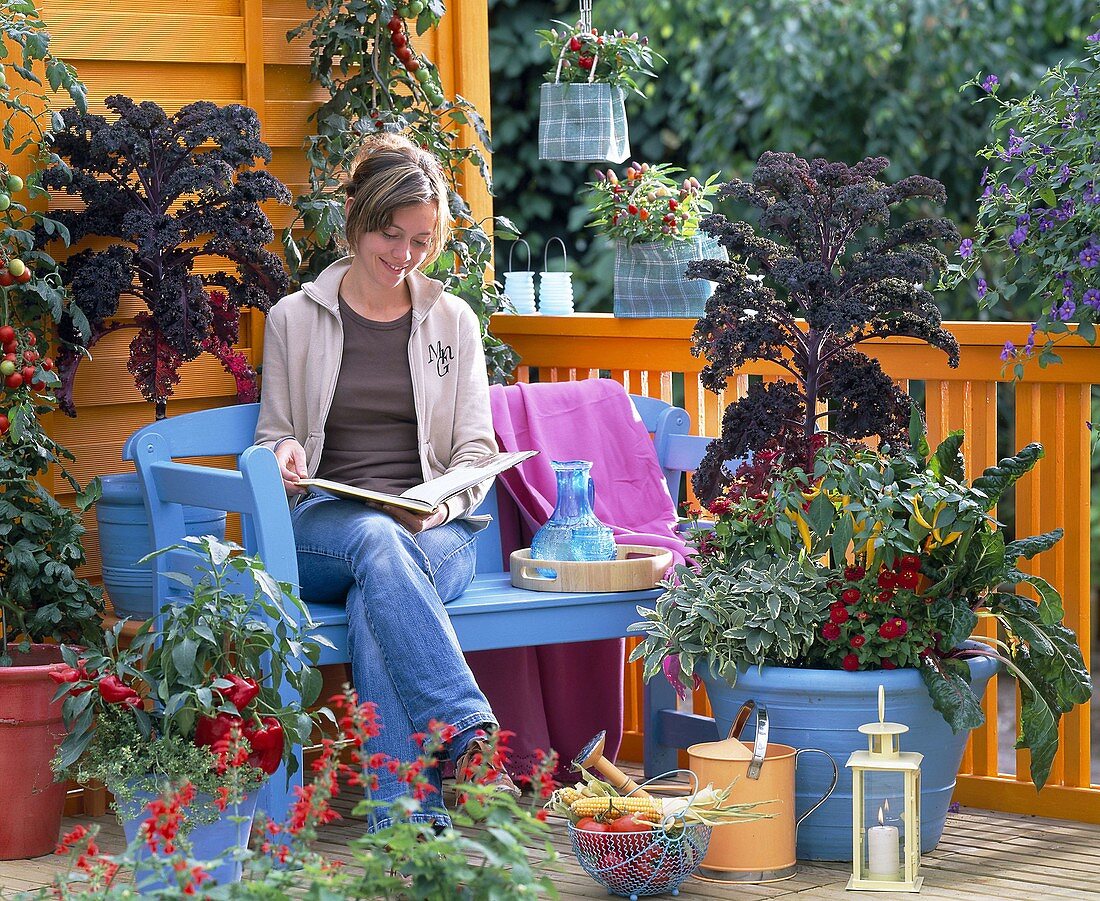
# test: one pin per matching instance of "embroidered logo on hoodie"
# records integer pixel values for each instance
(441, 356)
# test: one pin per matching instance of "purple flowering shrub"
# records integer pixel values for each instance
(1039, 212)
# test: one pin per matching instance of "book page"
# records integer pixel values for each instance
(428, 496)
(436, 491)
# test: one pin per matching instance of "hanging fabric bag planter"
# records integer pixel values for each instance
(651, 279)
(582, 122)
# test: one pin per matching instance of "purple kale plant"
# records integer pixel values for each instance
(165, 192)
(826, 269)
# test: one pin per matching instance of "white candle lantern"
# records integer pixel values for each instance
(885, 810)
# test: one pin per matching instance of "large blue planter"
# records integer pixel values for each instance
(209, 841)
(124, 538)
(810, 708)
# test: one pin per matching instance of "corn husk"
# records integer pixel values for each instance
(709, 806)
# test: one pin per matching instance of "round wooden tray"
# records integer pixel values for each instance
(636, 568)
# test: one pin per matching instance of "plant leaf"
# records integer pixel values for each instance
(949, 689)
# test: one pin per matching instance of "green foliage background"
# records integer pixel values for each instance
(843, 79)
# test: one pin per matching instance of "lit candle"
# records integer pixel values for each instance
(882, 850)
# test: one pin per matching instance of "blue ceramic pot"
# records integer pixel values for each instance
(125, 537)
(810, 708)
(209, 841)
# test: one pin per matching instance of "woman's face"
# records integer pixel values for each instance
(386, 257)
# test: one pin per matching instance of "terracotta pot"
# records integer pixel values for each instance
(30, 731)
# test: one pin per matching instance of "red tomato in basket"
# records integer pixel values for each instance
(629, 823)
(588, 824)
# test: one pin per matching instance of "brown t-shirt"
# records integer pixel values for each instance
(370, 435)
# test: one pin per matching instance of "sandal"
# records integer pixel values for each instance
(475, 765)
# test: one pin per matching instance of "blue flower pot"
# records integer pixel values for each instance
(209, 841)
(125, 537)
(810, 708)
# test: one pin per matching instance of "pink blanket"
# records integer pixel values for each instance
(559, 696)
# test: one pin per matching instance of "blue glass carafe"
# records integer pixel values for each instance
(573, 531)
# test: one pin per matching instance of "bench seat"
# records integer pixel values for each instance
(491, 614)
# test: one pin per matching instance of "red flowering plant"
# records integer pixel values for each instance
(198, 695)
(863, 559)
(486, 857)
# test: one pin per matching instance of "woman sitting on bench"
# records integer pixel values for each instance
(375, 377)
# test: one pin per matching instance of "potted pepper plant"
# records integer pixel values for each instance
(653, 218)
(582, 105)
(42, 598)
(211, 695)
(833, 566)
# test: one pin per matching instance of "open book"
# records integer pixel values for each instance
(429, 496)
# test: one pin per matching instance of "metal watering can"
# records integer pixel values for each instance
(764, 850)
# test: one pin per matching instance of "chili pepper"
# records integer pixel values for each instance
(114, 691)
(241, 693)
(211, 729)
(267, 744)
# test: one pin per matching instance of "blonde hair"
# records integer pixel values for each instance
(390, 172)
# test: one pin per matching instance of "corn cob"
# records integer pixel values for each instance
(615, 807)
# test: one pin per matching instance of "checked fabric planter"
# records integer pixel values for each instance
(650, 278)
(583, 123)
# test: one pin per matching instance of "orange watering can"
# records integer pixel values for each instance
(763, 850)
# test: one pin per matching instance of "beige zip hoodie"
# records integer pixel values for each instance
(303, 347)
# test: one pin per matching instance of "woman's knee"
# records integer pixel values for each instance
(376, 533)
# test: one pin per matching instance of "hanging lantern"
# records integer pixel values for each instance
(885, 810)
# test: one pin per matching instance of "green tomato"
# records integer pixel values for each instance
(7, 367)
(404, 11)
(17, 267)
(5, 202)
(423, 75)
(415, 7)
(15, 183)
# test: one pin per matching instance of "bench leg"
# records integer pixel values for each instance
(658, 694)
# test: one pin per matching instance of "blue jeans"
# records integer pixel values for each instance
(404, 653)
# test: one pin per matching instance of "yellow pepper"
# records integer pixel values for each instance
(803, 528)
(954, 536)
(870, 549)
(924, 523)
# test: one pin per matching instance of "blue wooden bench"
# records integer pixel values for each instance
(491, 614)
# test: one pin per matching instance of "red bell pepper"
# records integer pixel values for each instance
(114, 691)
(241, 693)
(211, 729)
(267, 744)
(67, 675)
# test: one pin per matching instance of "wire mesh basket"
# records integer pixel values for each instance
(632, 864)
(653, 862)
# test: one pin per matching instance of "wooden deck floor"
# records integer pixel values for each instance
(982, 855)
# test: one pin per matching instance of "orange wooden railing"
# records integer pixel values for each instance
(652, 357)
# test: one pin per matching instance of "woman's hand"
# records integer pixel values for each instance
(291, 457)
(415, 522)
